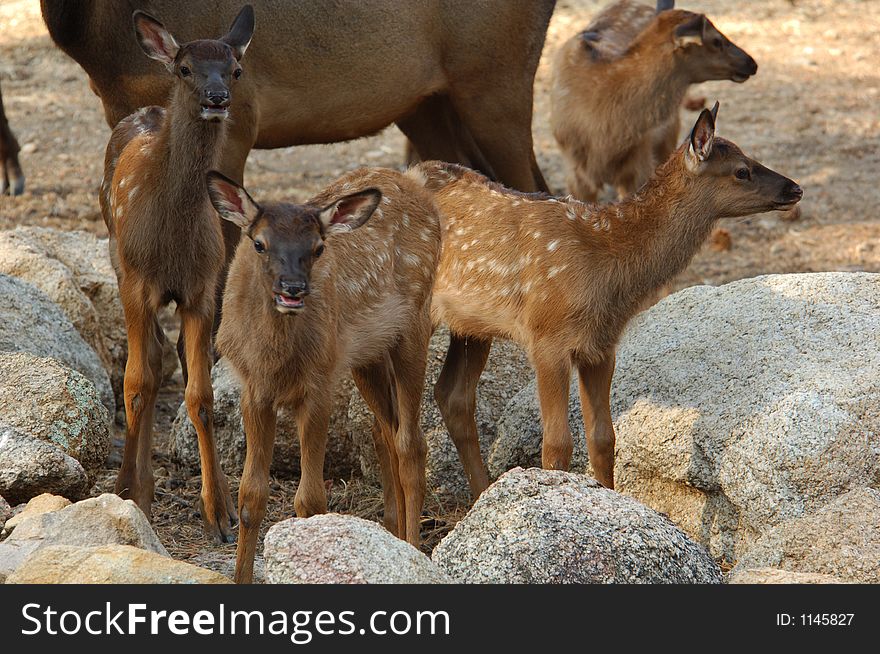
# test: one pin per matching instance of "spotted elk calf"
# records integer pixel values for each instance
(166, 245)
(562, 278)
(618, 85)
(340, 283)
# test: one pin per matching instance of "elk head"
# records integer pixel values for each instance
(288, 238)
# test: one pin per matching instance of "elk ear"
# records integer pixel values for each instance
(241, 32)
(690, 32)
(231, 201)
(715, 111)
(350, 212)
(155, 40)
(665, 5)
(702, 139)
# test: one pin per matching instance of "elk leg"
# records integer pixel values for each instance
(503, 134)
(143, 371)
(253, 492)
(409, 360)
(313, 422)
(595, 391)
(554, 377)
(456, 397)
(435, 131)
(581, 185)
(376, 387)
(218, 511)
(12, 180)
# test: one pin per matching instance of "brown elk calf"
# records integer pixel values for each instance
(340, 283)
(562, 278)
(618, 85)
(12, 179)
(166, 245)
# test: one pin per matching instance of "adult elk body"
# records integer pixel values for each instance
(340, 283)
(456, 76)
(563, 278)
(12, 177)
(618, 85)
(166, 245)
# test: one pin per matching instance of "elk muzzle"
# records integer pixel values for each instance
(290, 296)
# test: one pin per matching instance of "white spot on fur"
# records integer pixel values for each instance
(552, 246)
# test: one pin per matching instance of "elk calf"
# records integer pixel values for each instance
(340, 283)
(166, 244)
(618, 85)
(562, 278)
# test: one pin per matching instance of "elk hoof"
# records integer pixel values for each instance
(221, 522)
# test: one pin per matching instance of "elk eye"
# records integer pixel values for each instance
(259, 247)
(237, 73)
(185, 72)
(743, 173)
(717, 43)
(319, 251)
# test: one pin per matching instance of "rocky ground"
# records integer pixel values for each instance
(810, 113)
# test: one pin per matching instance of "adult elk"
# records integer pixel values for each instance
(456, 76)
(340, 283)
(166, 244)
(562, 278)
(12, 180)
(618, 85)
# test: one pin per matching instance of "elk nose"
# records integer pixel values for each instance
(217, 97)
(795, 191)
(294, 288)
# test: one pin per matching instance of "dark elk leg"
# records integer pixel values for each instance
(12, 181)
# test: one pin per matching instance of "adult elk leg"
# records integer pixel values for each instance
(409, 359)
(12, 180)
(554, 377)
(503, 133)
(376, 387)
(143, 372)
(456, 396)
(218, 511)
(253, 493)
(595, 391)
(435, 131)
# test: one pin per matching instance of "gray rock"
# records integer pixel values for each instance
(341, 459)
(542, 526)
(739, 407)
(506, 372)
(104, 520)
(29, 467)
(43, 400)
(5, 510)
(338, 549)
(770, 576)
(30, 322)
(109, 564)
(73, 269)
(841, 540)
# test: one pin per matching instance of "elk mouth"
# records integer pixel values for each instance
(793, 196)
(739, 78)
(215, 114)
(289, 304)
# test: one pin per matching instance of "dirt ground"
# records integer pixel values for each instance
(810, 113)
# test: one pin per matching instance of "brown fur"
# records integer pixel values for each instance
(617, 88)
(12, 179)
(368, 311)
(562, 278)
(166, 245)
(454, 76)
